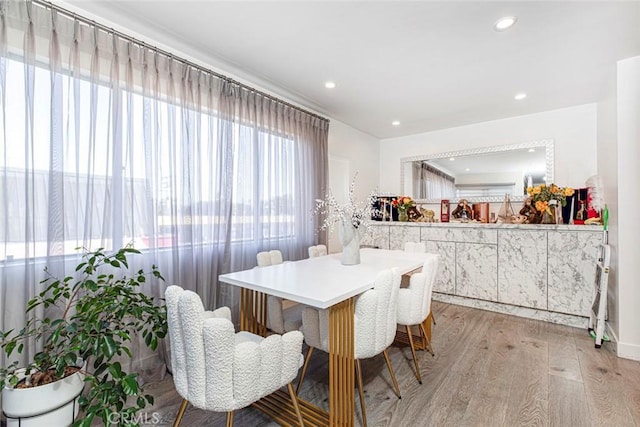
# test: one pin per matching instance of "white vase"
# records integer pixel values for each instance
(54, 404)
(350, 239)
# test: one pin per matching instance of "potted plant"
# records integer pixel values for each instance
(102, 309)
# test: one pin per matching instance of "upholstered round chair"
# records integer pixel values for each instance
(415, 247)
(318, 250)
(375, 316)
(414, 304)
(217, 369)
(282, 316)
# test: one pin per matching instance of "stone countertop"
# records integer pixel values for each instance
(556, 227)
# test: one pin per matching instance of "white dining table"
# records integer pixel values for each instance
(323, 283)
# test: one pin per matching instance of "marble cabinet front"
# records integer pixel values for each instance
(476, 271)
(550, 269)
(522, 271)
(572, 270)
(446, 276)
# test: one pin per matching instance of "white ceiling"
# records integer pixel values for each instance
(430, 65)
(520, 161)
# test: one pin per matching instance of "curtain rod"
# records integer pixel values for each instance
(436, 171)
(145, 45)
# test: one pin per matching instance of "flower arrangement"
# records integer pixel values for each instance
(542, 194)
(353, 212)
(403, 203)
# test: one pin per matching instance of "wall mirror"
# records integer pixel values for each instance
(478, 175)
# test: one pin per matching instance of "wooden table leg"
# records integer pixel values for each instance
(279, 405)
(341, 364)
(253, 312)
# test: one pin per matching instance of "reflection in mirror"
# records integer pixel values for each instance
(481, 175)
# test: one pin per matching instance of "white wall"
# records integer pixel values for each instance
(573, 129)
(628, 112)
(351, 151)
(608, 171)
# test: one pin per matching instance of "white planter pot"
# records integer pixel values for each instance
(54, 404)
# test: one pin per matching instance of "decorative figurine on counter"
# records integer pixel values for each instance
(427, 215)
(444, 210)
(463, 211)
(414, 214)
(505, 214)
(529, 212)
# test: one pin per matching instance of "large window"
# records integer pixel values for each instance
(128, 168)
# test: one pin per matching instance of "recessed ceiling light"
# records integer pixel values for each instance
(467, 170)
(531, 150)
(505, 23)
(451, 159)
(329, 85)
(520, 96)
(395, 123)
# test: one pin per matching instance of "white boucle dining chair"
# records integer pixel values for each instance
(414, 303)
(415, 247)
(375, 316)
(217, 369)
(318, 250)
(279, 319)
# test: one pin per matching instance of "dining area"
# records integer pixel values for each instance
(350, 313)
(347, 361)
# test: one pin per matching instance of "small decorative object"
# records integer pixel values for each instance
(481, 212)
(463, 211)
(595, 199)
(546, 199)
(403, 203)
(549, 214)
(414, 214)
(505, 214)
(352, 218)
(529, 212)
(427, 215)
(444, 210)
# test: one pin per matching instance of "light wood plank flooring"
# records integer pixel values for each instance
(489, 369)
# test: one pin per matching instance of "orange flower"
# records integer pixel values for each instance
(537, 190)
(541, 205)
(555, 189)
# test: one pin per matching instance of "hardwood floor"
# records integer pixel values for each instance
(489, 369)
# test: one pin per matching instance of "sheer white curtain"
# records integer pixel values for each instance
(434, 184)
(105, 142)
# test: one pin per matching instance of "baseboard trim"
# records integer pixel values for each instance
(628, 351)
(530, 313)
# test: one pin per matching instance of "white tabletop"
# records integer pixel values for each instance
(323, 281)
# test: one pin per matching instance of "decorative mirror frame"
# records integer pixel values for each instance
(548, 145)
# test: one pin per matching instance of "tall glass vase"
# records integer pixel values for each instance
(350, 239)
(549, 215)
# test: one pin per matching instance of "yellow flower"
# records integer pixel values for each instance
(543, 185)
(406, 200)
(555, 189)
(537, 190)
(530, 190)
(568, 191)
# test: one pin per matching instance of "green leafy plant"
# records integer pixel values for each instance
(101, 312)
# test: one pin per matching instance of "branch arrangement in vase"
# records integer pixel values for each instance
(355, 213)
